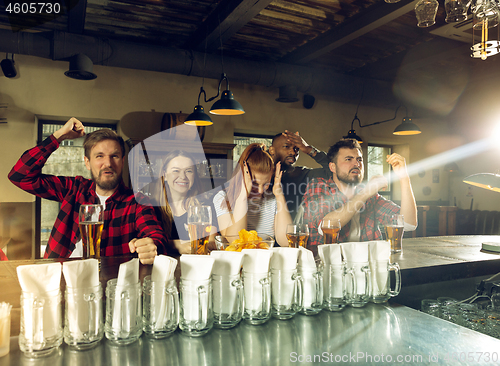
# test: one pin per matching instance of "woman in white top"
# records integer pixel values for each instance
(248, 202)
(180, 187)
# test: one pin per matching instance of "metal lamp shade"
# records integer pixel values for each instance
(198, 117)
(488, 181)
(227, 105)
(352, 135)
(407, 127)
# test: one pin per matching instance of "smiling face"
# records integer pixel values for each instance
(284, 152)
(180, 175)
(348, 168)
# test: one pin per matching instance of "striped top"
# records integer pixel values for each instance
(261, 212)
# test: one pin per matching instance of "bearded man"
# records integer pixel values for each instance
(285, 150)
(359, 207)
(129, 226)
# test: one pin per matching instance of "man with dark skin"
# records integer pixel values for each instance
(285, 149)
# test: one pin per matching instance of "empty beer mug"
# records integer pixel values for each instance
(123, 313)
(41, 323)
(358, 293)
(83, 319)
(334, 286)
(227, 300)
(286, 293)
(160, 308)
(311, 302)
(380, 280)
(195, 307)
(257, 294)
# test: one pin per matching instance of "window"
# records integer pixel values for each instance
(242, 140)
(376, 165)
(68, 161)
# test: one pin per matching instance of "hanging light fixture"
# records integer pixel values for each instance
(485, 16)
(407, 127)
(199, 117)
(226, 105)
(488, 181)
(352, 133)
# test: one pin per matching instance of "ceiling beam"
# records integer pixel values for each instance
(232, 15)
(76, 9)
(351, 29)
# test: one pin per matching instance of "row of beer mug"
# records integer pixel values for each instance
(157, 309)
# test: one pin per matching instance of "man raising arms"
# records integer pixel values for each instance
(128, 225)
(359, 208)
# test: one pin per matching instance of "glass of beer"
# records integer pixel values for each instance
(297, 235)
(394, 228)
(91, 223)
(199, 227)
(331, 229)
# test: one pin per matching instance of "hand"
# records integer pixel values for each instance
(398, 165)
(247, 179)
(145, 248)
(277, 187)
(183, 246)
(71, 130)
(296, 140)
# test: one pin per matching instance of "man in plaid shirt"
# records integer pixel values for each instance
(128, 225)
(359, 208)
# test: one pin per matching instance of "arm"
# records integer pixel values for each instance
(357, 202)
(231, 222)
(27, 173)
(283, 217)
(408, 204)
(151, 240)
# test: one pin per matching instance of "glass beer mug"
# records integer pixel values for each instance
(380, 280)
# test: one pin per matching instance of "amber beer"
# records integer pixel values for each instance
(395, 235)
(91, 238)
(199, 234)
(330, 235)
(297, 240)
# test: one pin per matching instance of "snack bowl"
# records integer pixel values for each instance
(239, 242)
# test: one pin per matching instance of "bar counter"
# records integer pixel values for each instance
(366, 336)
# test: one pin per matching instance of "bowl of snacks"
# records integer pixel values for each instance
(245, 240)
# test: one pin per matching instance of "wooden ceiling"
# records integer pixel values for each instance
(368, 38)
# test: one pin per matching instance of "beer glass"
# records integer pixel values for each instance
(196, 316)
(227, 300)
(331, 229)
(394, 229)
(199, 226)
(297, 235)
(380, 280)
(91, 223)
(160, 308)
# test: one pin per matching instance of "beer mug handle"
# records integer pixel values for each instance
(37, 318)
(173, 299)
(397, 274)
(239, 297)
(202, 309)
(366, 270)
(298, 289)
(318, 297)
(266, 301)
(90, 300)
(353, 282)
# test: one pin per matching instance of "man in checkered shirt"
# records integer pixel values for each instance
(359, 207)
(129, 226)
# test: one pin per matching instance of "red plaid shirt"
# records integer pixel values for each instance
(323, 196)
(124, 218)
